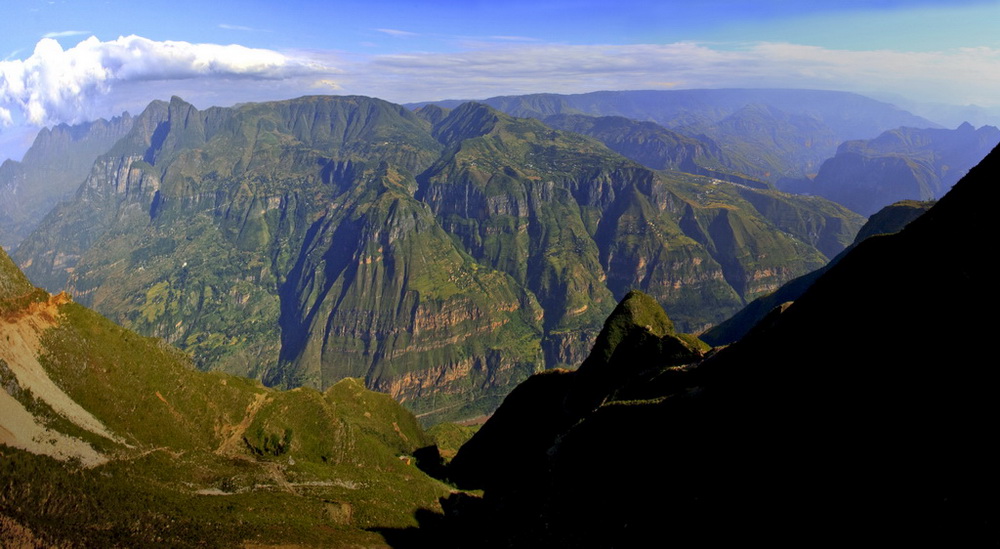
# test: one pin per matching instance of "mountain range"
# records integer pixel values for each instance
(441, 255)
(456, 257)
(51, 171)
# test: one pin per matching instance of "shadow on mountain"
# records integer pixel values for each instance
(862, 412)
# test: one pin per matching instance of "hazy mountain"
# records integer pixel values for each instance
(305, 241)
(772, 143)
(860, 410)
(656, 147)
(110, 439)
(901, 164)
(51, 171)
(771, 133)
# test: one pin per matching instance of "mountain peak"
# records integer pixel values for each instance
(466, 121)
(637, 325)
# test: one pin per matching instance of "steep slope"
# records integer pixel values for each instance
(111, 439)
(304, 241)
(861, 410)
(13, 283)
(51, 170)
(508, 452)
(890, 219)
(902, 164)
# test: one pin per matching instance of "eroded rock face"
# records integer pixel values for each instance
(306, 241)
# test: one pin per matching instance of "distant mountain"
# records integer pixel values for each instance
(772, 143)
(656, 147)
(901, 164)
(773, 133)
(304, 241)
(111, 439)
(51, 171)
(863, 409)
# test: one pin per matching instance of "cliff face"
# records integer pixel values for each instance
(305, 241)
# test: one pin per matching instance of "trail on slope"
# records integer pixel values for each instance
(231, 443)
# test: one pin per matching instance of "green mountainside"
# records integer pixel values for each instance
(108, 438)
(901, 164)
(304, 241)
(863, 410)
(51, 171)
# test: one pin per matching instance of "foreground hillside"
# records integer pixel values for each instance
(863, 410)
(441, 256)
(108, 438)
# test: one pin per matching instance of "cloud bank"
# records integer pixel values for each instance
(961, 76)
(55, 85)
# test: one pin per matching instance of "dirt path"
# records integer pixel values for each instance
(233, 440)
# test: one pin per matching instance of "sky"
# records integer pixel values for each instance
(69, 61)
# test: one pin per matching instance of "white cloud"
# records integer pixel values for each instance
(55, 85)
(397, 33)
(63, 34)
(227, 26)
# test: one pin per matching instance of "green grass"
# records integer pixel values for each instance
(305, 461)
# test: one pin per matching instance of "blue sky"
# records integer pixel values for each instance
(73, 60)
